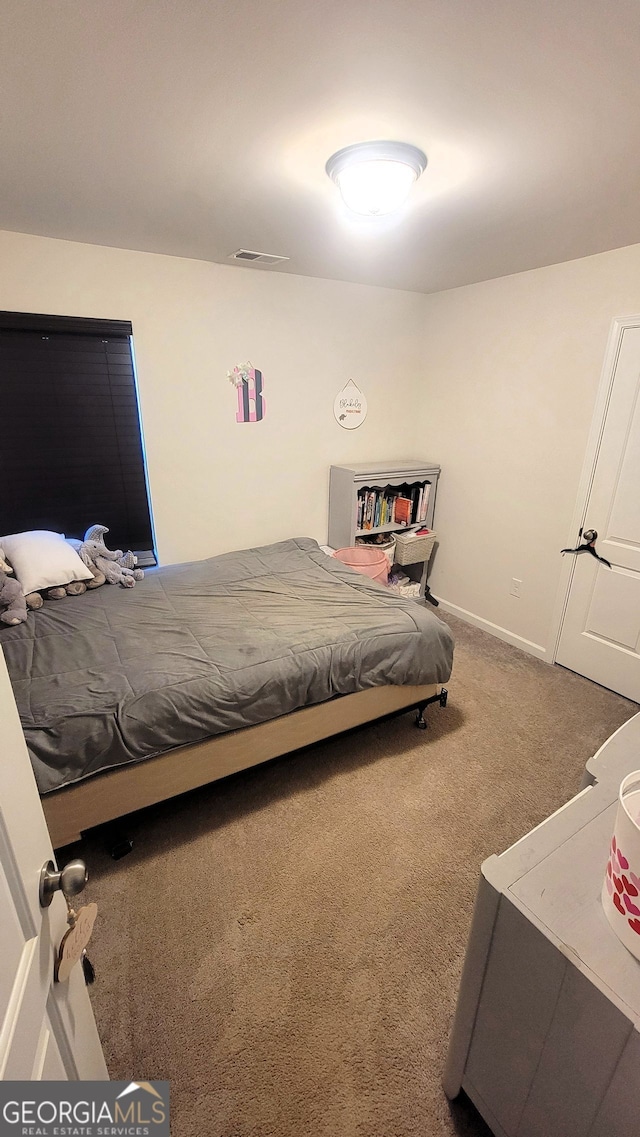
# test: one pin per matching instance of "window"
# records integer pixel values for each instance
(71, 451)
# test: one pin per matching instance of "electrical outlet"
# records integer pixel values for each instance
(516, 585)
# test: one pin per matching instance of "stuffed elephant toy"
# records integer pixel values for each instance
(12, 601)
(98, 577)
(117, 567)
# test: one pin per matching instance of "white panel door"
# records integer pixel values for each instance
(600, 635)
(47, 1029)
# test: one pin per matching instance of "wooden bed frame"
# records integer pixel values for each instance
(115, 793)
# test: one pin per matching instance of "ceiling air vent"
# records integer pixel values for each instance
(254, 257)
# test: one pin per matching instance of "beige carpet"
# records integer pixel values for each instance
(286, 946)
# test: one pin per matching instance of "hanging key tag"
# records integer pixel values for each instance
(75, 940)
(88, 968)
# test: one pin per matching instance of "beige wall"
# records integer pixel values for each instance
(496, 381)
(218, 485)
(511, 370)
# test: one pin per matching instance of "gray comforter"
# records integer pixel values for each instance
(118, 675)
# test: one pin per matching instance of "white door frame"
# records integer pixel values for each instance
(614, 343)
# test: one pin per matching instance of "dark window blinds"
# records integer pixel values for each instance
(70, 444)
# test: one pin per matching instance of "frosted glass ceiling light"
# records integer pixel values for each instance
(375, 178)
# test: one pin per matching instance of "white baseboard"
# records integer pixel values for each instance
(538, 650)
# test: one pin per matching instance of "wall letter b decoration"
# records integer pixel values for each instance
(251, 403)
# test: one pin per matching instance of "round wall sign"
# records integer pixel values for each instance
(350, 406)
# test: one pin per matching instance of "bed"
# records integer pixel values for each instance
(130, 696)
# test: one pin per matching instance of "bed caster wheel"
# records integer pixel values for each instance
(117, 842)
(444, 694)
(120, 848)
(421, 721)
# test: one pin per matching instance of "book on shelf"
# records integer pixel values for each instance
(423, 503)
(403, 510)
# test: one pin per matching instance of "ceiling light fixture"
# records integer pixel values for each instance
(375, 178)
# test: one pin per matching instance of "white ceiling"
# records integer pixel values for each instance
(194, 127)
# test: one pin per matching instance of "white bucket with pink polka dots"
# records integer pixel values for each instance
(621, 888)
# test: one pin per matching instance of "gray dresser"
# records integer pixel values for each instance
(546, 1038)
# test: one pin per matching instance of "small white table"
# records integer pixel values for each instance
(546, 1036)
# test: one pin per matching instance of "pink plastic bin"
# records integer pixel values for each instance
(372, 562)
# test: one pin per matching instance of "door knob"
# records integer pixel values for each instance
(70, 880)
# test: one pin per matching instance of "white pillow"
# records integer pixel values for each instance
(42, 560)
